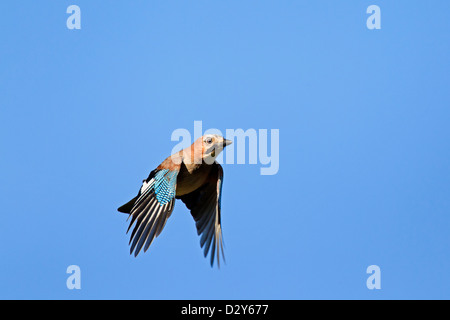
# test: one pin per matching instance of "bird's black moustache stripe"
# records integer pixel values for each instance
(213, 149)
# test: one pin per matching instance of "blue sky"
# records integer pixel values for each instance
(363, 115)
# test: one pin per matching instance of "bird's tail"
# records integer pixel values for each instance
(126, 208)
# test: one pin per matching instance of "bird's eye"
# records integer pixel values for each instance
(208, 140)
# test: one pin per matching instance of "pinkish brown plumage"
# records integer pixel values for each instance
(191, 175)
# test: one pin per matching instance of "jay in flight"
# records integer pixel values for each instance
(191, 175)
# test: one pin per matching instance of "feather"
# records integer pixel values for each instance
(152, 208)
(204, 204)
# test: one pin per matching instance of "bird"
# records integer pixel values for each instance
(193, 176)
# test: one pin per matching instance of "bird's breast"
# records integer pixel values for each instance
(191, 177)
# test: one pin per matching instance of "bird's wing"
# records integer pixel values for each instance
(204, 204)
(152, 207)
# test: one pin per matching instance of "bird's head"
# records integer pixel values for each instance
(212, 145)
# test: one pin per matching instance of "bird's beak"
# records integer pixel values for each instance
(226, 142)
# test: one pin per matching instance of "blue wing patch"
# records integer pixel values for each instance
(165, 184)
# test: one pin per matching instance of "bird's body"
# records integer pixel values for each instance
(191, 178)
(191, 175)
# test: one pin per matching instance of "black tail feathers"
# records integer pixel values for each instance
(126, 208)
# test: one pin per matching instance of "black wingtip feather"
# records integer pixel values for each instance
(126, 208)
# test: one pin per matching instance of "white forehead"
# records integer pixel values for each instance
(206, 136)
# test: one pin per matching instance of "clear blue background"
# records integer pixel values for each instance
(364, 146)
